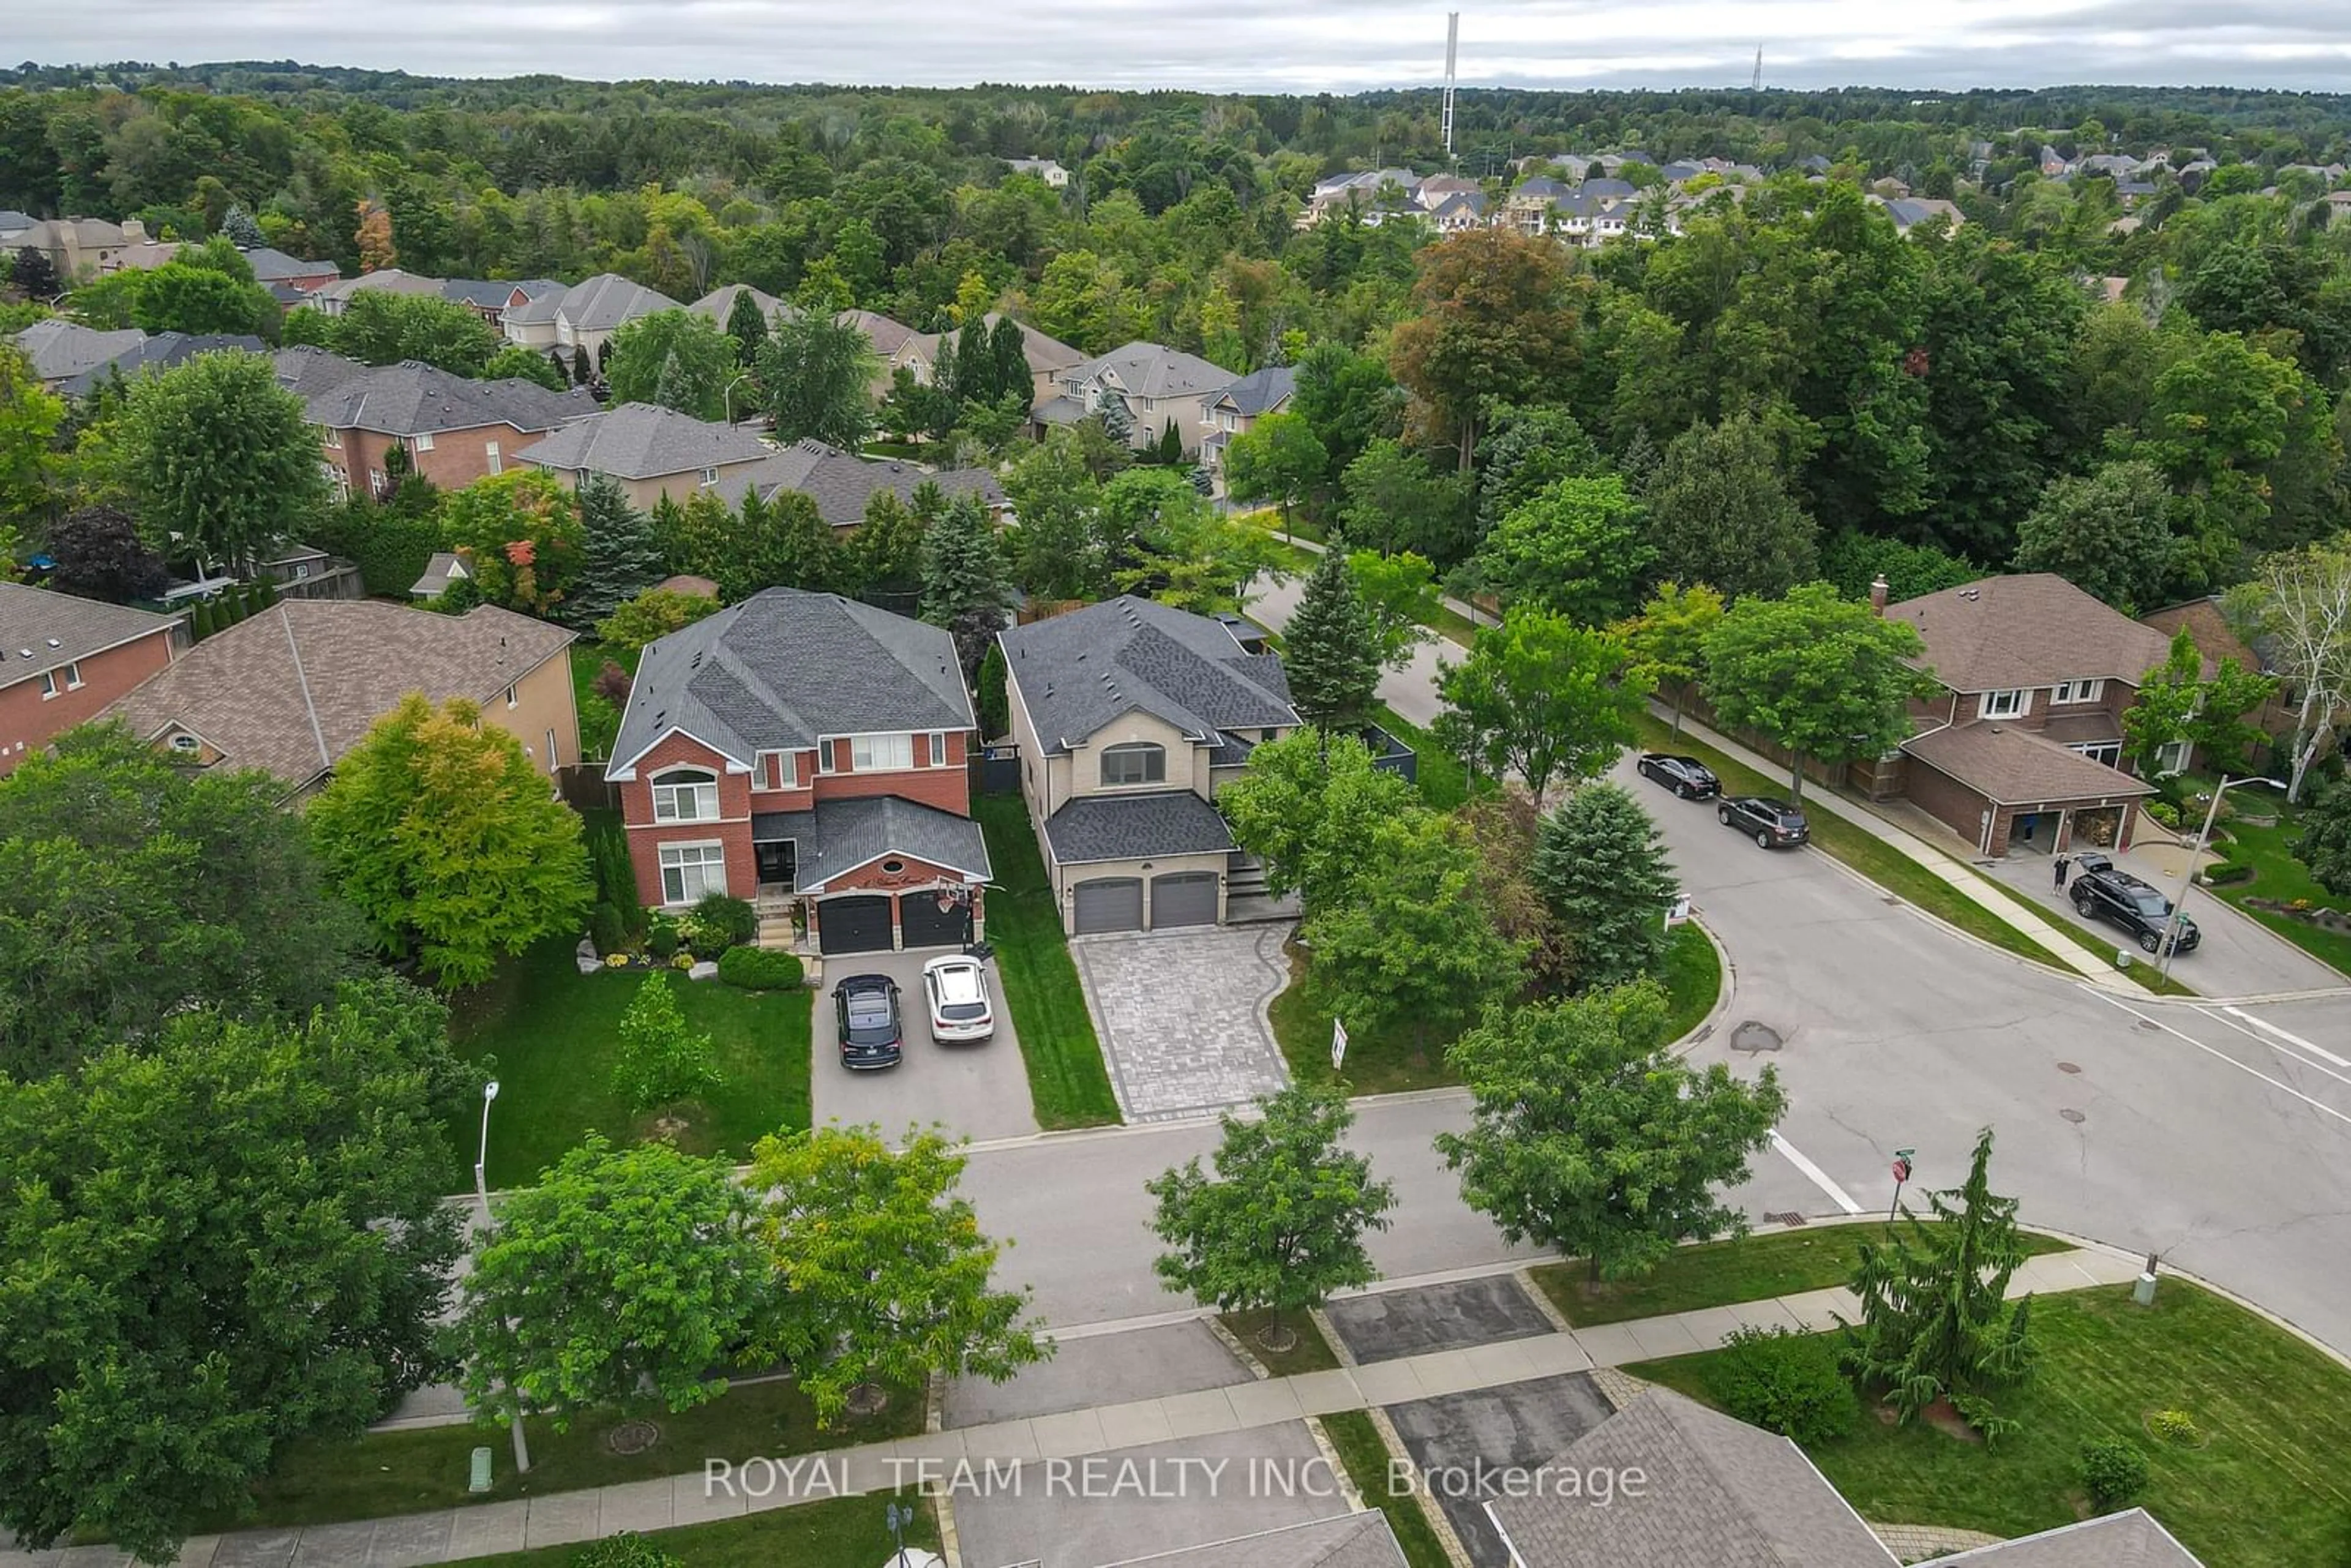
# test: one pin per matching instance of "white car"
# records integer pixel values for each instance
(957, 990)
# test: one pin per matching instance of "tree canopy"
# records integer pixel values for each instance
(1825, 677)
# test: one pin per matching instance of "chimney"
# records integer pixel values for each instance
(1877, 592)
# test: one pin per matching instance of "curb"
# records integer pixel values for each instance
(1725, 993)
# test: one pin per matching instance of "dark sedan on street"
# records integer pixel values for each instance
(866, 1007)
(1684, 775)
(1773, 824)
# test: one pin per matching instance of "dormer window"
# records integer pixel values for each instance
(1134, 762)
(686, 795)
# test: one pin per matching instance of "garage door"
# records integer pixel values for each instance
(852, 925)
(1184, 898)
(1110, 903)
(924, 926)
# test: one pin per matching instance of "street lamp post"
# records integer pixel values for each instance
(482, 1197)
(2187, 877)
(727, 396)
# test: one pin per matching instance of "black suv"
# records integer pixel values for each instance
(1684, 775)
(866, 1009)
(1770, 824)
(2119, 897)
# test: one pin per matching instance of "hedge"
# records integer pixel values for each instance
(758, 970)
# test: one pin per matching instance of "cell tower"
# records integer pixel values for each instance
(1452, 43)
(1755, 83)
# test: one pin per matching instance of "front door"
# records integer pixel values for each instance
(777, 862)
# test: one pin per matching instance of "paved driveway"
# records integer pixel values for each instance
(975, 1091)
(1181, 1016)
(1518, 1424)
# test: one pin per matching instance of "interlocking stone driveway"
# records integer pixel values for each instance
(1182, 1017)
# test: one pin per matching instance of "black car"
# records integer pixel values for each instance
(866, 1006)
(2124, 900)
(1684, 775)
(1770, 824)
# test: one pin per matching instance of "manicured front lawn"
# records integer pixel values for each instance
(1693, 978)
(840, 1532)
(1875, 859)
(1716, 1274)
(1367, 1457)
(2267, 1490)
(550, 1034)
(2279, 876)
(1068, 1081)
(1312, 1353)
(404, 1472)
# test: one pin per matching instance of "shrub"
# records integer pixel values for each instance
(604, 929)
(2113, 1472)
(2220, 874)
(718, 922)
(662, 941)
(2164, 812)
(661, 1059)
(2175, 1426)
(756, 969)
(1785, 1382)
(611, 684)
(616, 875)
(623, 1550)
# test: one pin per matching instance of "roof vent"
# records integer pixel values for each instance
(55, 643)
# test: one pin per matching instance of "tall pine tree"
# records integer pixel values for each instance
(747, 325)
(1602, 870)
(966, 587)
(620, 558)
(1009, 346)
(1327, 650)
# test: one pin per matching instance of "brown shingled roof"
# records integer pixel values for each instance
(2014, 767)
(2029, 629)
(295, 687)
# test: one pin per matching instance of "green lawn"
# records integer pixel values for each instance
(404, 1472)
(599, 720)
(1875, 859)
(1068, 1081)
(1300, 527)
(551, 1035)
(1366, 1456)
(1312, 1353)
(2140, 970)
(1693, 978)
(2267, 1490)
(1716, 1274)
(840, 1532)
(2278, 876)
(906, 451)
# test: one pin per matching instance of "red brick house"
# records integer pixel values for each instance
(452, 429)
(806, 750)
(63, 659)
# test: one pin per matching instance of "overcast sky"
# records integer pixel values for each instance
(1240, 44)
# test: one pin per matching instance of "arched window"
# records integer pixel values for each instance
(1135, 762)
(686, 795)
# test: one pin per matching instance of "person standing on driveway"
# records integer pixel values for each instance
(2062, 863)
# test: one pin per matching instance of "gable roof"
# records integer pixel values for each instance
(271, 264)
(1260, 391)
(786, 668)
(441, 570)
(493, 293)
(600, 303)
(1090, 828)
(1154, 370)
(2010, 766)
(719, 303)
(306, 369)
(842, 484)
(886, 336)
(1044, 352)
(40, 630)
(388, 280)
(836, 837)
(644, 441)
(160, 351)
(2028, 629)
(59, 349)
(1719, 1492)
(1079, 672)
(2128, 1540)
(412, 398)
(294, 688)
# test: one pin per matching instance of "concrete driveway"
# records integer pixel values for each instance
(1182, 1017)
(1517, 1425)
(978, 1092)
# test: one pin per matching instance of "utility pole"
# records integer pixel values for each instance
(1452, 44)
(1755, 83)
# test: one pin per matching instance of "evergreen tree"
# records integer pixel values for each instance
(620, 560)
(1601, 868)
(1116, 422)
(965, 586)
(241, 231)
(1009, 346)
(967, 365)
(747, 325)
(1171, 444)
(995, 705)
(885, 555)
(583, 370)
(1327, 650)
(1936, 1323)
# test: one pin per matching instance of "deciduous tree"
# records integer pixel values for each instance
(380, 327)
(2107, 532)
(29, 420)
(1278, 459)
(1601, 866)
(1306, 808)
(1825, 677)
(515, 362)
(2300, 600)
(99, 555)
(1667, 638)
(1576, 548)
(1396, 501)
(1720, 513)
(677, 360)
(1398, 593)
(655, 613)
(816, 373)
(520, 534)
(1496, 321)
(1589, 1136)
(661, 1060)
(443, 833)
(1539, 697)
(220, 458)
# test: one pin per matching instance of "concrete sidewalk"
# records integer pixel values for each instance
(452, 1534)
(1961, 876)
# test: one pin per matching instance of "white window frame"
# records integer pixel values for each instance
(50, 689)
(674, 791)
(2019, 704)
(938, 745)
(2109, 752)
(491, 456)
(73, 676)
(2069, 692)
(513, 699)
(824, 759)
(1142, 748)
(710, 478)
(779, 771)
(708, 863)
(420, 442)
(2173, 757)
(865, 753)
(334, 438)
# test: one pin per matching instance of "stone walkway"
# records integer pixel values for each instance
(454, 1534)
(1182, 1017)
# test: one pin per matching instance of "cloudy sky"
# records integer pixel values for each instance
(1242, 44)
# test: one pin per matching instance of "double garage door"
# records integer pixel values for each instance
(1116, 903)
(861, 925)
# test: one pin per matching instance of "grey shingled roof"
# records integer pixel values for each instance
(271, 264)
(160, 351)
(1134, 827)
(2127, 1540)
(491, 293)
(1717, 1492)
(1260, 391)
(1079, 672)
(306, 369)
(603, 302)
(643, 441)
(1044, 353)
(719, 303)
(842, 484)
(1154, 370)
(388, 280)
(839, 836)
(40, 630)
(1350, 1541)
(443, 566)
(59, 349)
(785, 667)
(886, 335)
(415, 398)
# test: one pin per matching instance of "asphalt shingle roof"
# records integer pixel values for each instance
(643, 441)
(2012, 765)
(1260, 391)
(160, 351)
(1156, 371)
(1134, 827)
(842, 484)
(1719, 1493)
(604, 302)
(414, 399)
(2028, 629)
(719, 303)
(2127, 1540)
(839, 836)
(40, 630)
(785, 667)
(59, 349)
(491, 293)
(306, 369)
(295, 687)
(1076, 673)
(1350, 1541)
